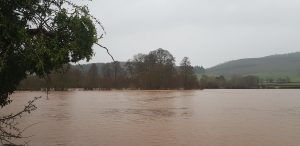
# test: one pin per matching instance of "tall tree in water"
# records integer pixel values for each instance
(155, 70)
(163, 68)
(136, 70)
(92, 79)
(188, 77)
(113, 76)
(59, 79)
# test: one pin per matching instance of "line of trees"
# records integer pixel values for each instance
(155, 70)
(235, 82)
(71, 77)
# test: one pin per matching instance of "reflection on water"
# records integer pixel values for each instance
(150, 113)
(199, 118)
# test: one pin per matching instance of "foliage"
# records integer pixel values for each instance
(199, 70)
(140, 73)
(155, 70)
(113, 76)
(92, 77)
(38, 36)
(235, 82)
(187, 74)
(152, 71)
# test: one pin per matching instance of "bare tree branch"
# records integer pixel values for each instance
(106, 51)
(8, 124)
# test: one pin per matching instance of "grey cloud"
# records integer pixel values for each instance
(208, 31)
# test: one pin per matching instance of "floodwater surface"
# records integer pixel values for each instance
(162, 118)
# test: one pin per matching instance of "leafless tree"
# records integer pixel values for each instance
(9, 129)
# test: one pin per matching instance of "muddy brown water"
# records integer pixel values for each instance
(162, 118)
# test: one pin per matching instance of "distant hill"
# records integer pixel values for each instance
(275, 66)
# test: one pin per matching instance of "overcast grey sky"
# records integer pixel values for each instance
(209, 32)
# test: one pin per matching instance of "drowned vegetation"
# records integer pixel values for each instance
(155, 70)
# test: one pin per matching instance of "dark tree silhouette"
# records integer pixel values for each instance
(40, 36)
(92, 79)
(187, 74)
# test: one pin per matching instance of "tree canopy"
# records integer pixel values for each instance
(187, 74)
(157, 70)
(38, 36)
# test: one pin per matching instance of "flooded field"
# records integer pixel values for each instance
(163, 118)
